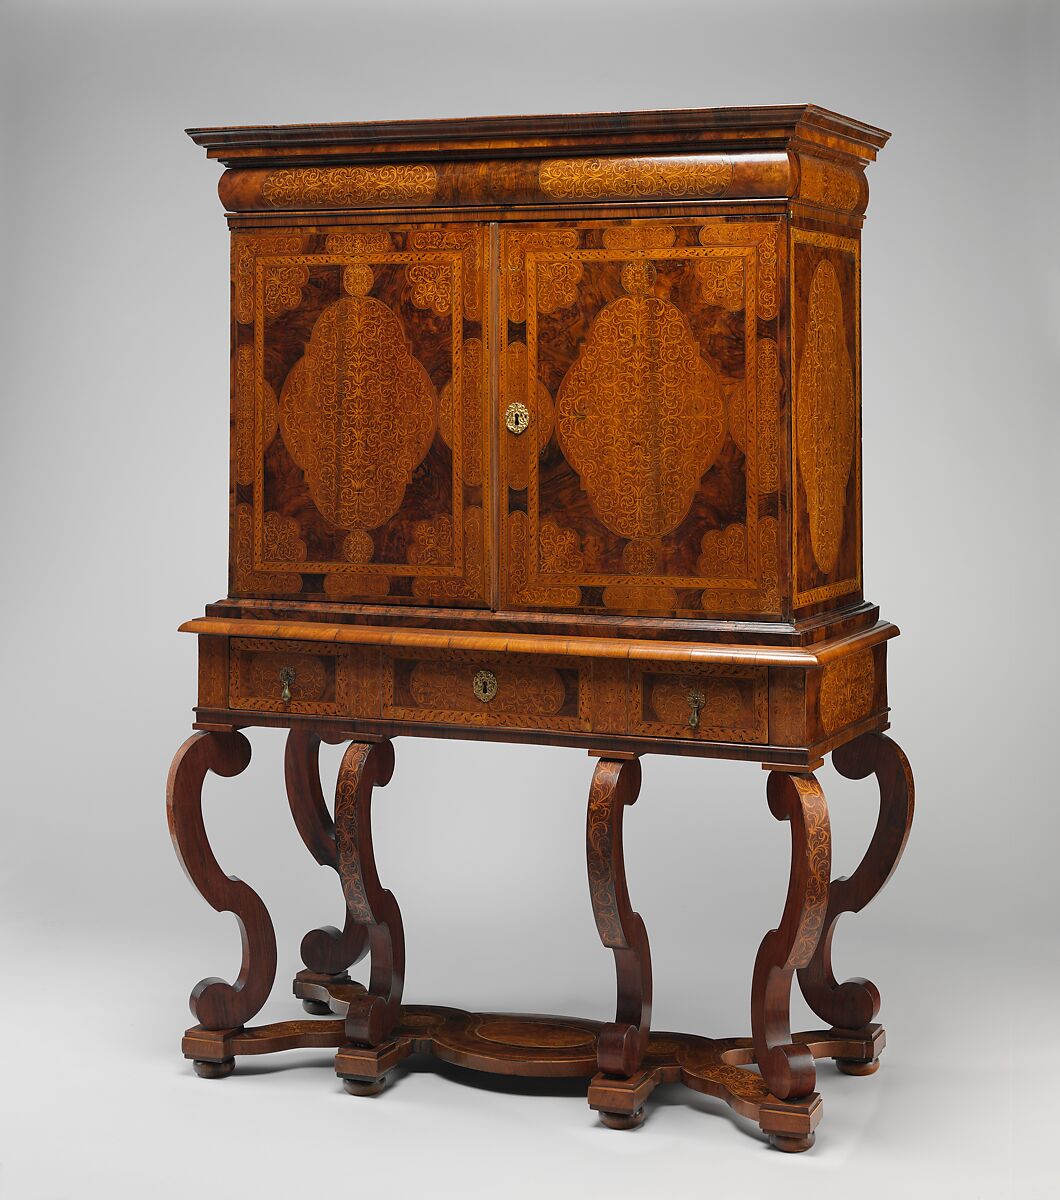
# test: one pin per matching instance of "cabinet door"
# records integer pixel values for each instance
(644, 476)
(359, 414)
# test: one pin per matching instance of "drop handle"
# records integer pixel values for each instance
(287, 677)
(696, 700)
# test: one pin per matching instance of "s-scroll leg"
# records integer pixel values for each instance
(622, 1042)
(216, 1004)
(327, 952)
(786, 1066)
(371, 1017)
(853, 1005)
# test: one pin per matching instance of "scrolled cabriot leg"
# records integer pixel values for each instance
(215, 1004)
(327, 952)
(371, 1017)
(854, 1004)
(622, 1042)
(786, 1066)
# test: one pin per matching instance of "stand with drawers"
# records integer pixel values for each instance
(547, 429)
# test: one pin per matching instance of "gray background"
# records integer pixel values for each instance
(113, 466)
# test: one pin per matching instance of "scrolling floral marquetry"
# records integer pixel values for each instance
(432, 284)
(519, 388)
(349, 187)
(246, 249)
(357, 413)
(635, 178)
(826, 531)
(684, 386)
(254, 402)
(546, 430)
(474, 379)
(470, 587)
(353, 335)
(556, 280)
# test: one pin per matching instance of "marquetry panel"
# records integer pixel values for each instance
(732, 703)
(360, 414)
(826, 425)
(649, 357)
(323, 680)
(531, 691)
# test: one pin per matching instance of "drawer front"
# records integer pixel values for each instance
(321, 680)
(731, 704)
(510, 691)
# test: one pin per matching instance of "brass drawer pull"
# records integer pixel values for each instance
(287, 677)
(516, 417)
(484, 685)
(696, 700)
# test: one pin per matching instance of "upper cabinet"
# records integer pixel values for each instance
(605, 366)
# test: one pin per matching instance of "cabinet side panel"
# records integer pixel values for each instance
(826, 419)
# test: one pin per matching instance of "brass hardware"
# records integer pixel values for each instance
(516, 417)
(287, 677)
(484, 685)
(696, 700)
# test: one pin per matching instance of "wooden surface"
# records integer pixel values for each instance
(689, 369)
(621, 1043)
(215, 1003)
(855, 1003)
(548, 430)
(787, 1066)
(327, 950)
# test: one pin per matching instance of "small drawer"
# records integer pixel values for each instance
(505, 690)
(288, 677)
(719, 704)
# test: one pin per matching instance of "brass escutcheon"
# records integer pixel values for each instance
(484, 685)
(287, 677)
(516, 417)
(696, 700)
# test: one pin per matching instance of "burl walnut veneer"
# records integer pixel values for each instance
(548, 429)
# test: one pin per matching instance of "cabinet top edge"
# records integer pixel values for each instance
(743, 128)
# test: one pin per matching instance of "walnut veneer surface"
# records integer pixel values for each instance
(548, 429)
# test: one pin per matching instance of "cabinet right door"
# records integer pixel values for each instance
(642, 383)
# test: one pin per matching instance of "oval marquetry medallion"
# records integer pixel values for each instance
(640, 414)
(358, 413)
(825, 416)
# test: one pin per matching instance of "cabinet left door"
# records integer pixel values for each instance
(360, 415)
